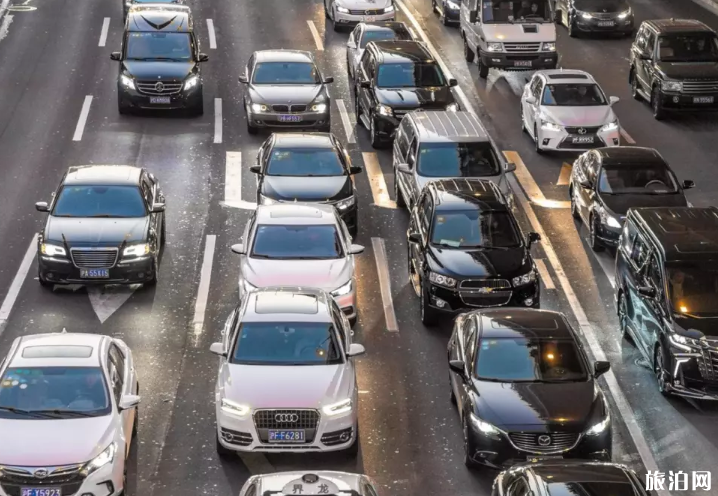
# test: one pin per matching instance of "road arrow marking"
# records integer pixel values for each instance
(233, 183)
(106, 300)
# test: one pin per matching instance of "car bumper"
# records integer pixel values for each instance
(602, 25)
(306, 120)
(183, 99)
(452, 302)
(348, 19)
(561, 140)
(692, 374)
(607, 235)
(520, 61)
(61, 271)
(689, 103)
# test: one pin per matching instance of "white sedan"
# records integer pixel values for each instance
(566, 110)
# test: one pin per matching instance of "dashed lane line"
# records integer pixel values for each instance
(382, 268)
(233, 183)
(217, 120)
(200, 307)
(212, 35)
(103, 33)
(545, 274)
(529, 184)
(564, 177)
(315, 34)
(627, 137)
(346, 121)
(376, 180)
(16, 285)
(82, 120)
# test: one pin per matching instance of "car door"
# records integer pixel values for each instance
(645, 47)
(653, 307)
(422, 218)
(368, 99)
(635, 278)
(116, 372)
(466, 345)
(352, 48)
(263, 155)
(400, 149)
(586, 195)
(149, 193)
(411, 179)
(471, 30)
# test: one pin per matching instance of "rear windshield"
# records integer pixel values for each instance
(99, 201)
(382, 35)
(159, 46)
(409, 76)
(305, 162)
(573, 95)
(474, 229)
(285, 73)
(458, 160)
(297, 242)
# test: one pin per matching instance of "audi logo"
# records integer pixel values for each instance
(286, 417)
(544, 440)
(160, 87)
(581, 130)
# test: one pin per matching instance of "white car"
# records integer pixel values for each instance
(67, 415)
(348, 13)
(568, 110)
(286, 381)
(364, 32)
(324, 482)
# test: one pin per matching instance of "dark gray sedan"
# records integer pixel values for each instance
(285, 89)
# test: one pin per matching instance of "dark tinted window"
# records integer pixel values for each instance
(693, 288)
(688, 48)
(474, 228)
(409, 76)
(100, 201)
(627, 180)
(529, 360)
(458, 160)
(589, 488)
(286, 343)
(305, 162)
(296, 242)
(599, 5)
(384, 34)
(524, 10)
(573, 95)
(285, 73)
(153, 46)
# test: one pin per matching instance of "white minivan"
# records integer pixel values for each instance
(509, 34)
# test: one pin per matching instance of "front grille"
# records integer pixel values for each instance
(236, 437)
(159, 88)
(484, 283)
(700, 87)
(497, 299)
(289, 109)
(307, 420)
(708, 364)
(68, 478)
(604, 16)
(104, 258)
(334, 438)
(530, 441)
(367, 12)
(485, 292)
(587, 131)
(522, 47)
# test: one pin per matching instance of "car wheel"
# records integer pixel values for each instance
(428, 314)
(634, 86)
(468, 461)
(163, 232)
(574, 206)
(559, 17)
(335, 25)
(326, 12)
(397, 192)
(222, 451)
(354, 231)
(483, 69)
(433, 5)
(136, 423)
(468, 54)
(622, 315)
(537, 143)
(444, 19)
(658, 370)
(357, 109)
(593, 240)
(452, 396)
(523, 122)
(375, 140)
(658, 112)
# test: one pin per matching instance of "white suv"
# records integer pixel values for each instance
(67, 415)
(349, 13)
(286, 381)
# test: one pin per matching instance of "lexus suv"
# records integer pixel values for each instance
(287, 380)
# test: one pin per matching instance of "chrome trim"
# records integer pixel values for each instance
(579, 438)
(94, 249)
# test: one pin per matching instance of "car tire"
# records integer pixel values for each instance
(354, 231)
(658, 113)
(433, 6)
(523, 122)
(428, 314)
(222, 451)
(335, 25)
(444, 19)
(634, 86)
(537, 144)
(593, 240)
(574, 206)
(357, 109)
(468, 461)
(468, 54)
(353, 321)
(558, 16)
(375, 140)
(136, 423)
(398, 198)
(658, 370)
(163, 232)
(452, 396)
(326, 12)
(483, 69)
(353, 450)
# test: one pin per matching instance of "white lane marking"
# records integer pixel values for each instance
(529, 184)
(544, 273)
(16, 284)
(376, 181)
(382, 268)
(315, 34)
(103, 33)
(106, 300)
(564, 177)
(233, 183)
(608, 264)
(362, 391)
(217, 120)
(5, 26)
(346, 121)
(212, 35)
(627, 137)
(200, 306)
(80, 128)
(257, 463)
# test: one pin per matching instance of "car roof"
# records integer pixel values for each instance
(287, 304)
(296, 214)
(685, 233)
(523, 323)
(397, 51)
(463, 193)
(159, 17)
(435, 126)
(156, 1)
(679, 26)
(303, 140)
(578, 472)
(398, 28)
(342, 482)
(570, 76)
(92, 175)
(629, 155)
(72, 350)
(283, 55)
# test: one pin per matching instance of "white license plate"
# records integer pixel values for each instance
(606, 24)
(522, 63)
(160, 100)
(582, 139)
(703, 99)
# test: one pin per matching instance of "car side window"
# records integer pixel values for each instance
(354, 36)
(653, 274)
(425, 214)
(639, 252)
(470, 339)
(628, 236)
(591, 168)
(250, 66)
(401, 138)
(372, 69)
(518, 488)
(147, 193)
(650, 43)
(641, 38)
(538, 89)
(251, 491)
(116, 382)
(367, 490)
(364, 65)
(118, 359)
(339, 324)
(411, 158)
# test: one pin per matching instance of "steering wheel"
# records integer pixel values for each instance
(656, 182)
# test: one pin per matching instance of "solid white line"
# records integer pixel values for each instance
(348, 127)
(233, 183)
(200, 306)
(80, 128)
(544, 273)
(376, 180)
(103, 33)
(627, 137)
(5, 26)
(315, 34)
(528, 183)
(16, 285)
(212, 36)
(382, 268)
(217, 120)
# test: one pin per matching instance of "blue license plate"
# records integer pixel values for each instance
(286, 436)
(41, 491)
(160, 100)
(94, 273)
(290, 118)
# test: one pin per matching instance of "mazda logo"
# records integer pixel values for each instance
(160, 87)
(40, 473)
(544, 440)
(581, 130)
(286, 417)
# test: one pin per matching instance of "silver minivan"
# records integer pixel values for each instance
(432, 145)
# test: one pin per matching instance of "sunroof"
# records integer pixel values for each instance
(568, 75)
(57, 352)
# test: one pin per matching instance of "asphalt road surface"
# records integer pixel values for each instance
(58, 108)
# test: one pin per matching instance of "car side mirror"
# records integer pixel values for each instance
(116, 55)
(453, 82)
(531, 100)
(509, 167)
(217, 349)
(586, 184)
(688, 184)
(365, 83)
(647, 291)
(356, 249)
(355, 349)
(238, 249)
(457, 366)
(533, 237)
(255, 169)
(328, 80)
(600, 368)
(644, 56)
(128, 401)
(42, 207)
(473, 16)
(158, 207)
(355, 169)
(414, 237)
(243, 79)
(403, 168)
(612, 100)
(351, 44)
(203, 57)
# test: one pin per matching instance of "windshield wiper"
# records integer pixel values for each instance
(104, 216)
(154, 58)
(65, 412)
(20, 411)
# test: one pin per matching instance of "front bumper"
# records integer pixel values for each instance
(681, 102)
(563, 139)
(530, 61)
(692, 373)
(306, 120)
(352, 18)
(63, 271)
(452, 301)
(595, 25)
(607, 235)
(182, 100)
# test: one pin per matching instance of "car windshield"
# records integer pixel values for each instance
(573, 95)
(457, 160)
(622, 180)
(286, 343)
(688, 48)
(502, 11)
(382, 34)
(529, 360)
(99, 201)
(474, 229)
(297, 242)
(693, 288)
(409, 76)
(53, 392)
(306, 162)
(159, 46)
(285, 73)
(600, 5)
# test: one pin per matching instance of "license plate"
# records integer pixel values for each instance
(539, 458)
(369, 18)
(522, 63)
(582, 139)
(290, 118)
(606, 24)
(286, 436)
(41, 491)
(165, 100)
(94, 273)
(703, 99)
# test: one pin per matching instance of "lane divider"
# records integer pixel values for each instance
(233, 183)
(218, 120)
(528, 184)
(564, 178)
(382, 268)
(376, 180)
(14, 291)
(346, 121)
(82, 120)
(103, 33)
(544, 273)
(212, 35)
(200, 306)
(315, 34)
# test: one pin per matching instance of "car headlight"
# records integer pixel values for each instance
(191, 82)
(52, 250)
(343, 406)
(233, 408)
(586, 15)
(343, 10)
(267, 201)
(525, 279)
(136, 250)
(549, 46)
(494, 47)
(550, 126)
(100, 460)
(484, 427)
(607, 218)
(682, 342)
(452, 107)
(672, 86)
(384, 109)
(343, 290)
(441, 280)
(259, 108)
(389, 9)
(624, 14)
(598, 428)
(610, 127)
(345, 203)
(127, 82)
(319, 107)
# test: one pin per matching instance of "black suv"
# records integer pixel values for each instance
(159, 61)
(396, 77)
(674, 66)
(465, 249)
(667, 295)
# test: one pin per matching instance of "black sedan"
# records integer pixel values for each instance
(595, 16)
(606, 182)
(525, 389)
(285, 89)
(311, 167)
(106, 224)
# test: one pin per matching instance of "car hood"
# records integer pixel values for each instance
(511, 406)
(310, 386)
(579, 116)
(479, 263)
(63, 441)
(301, 94)
(308, 189)
(689, 70)
(86, 231)
(517, 33)
(434, 98)
(324, 274)
(707, 324)
(424, 180)
(158, 70)
(364, 5)
(619, 204)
